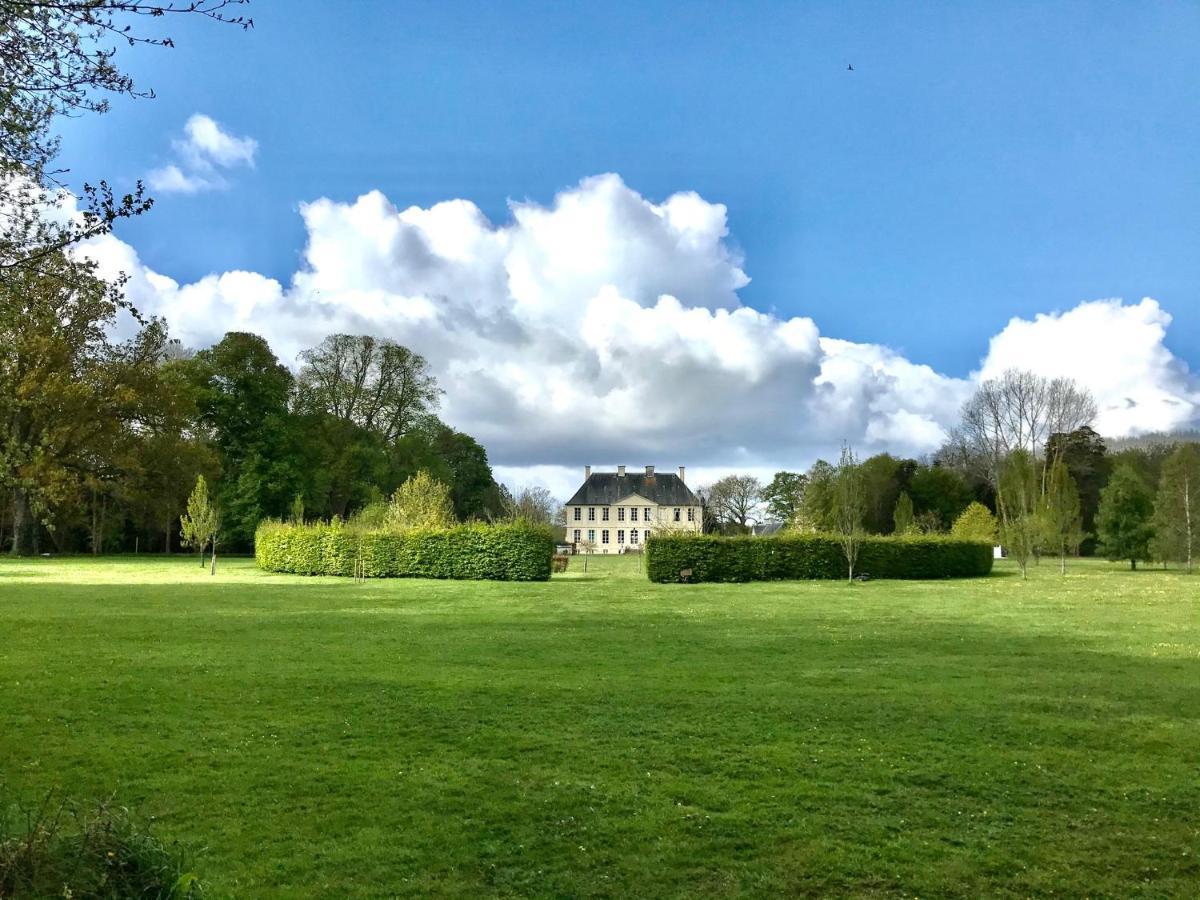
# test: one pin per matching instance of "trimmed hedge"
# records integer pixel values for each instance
(481, 552)
(797, 556)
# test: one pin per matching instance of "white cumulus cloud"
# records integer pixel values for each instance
(606, 328)
(202, 153)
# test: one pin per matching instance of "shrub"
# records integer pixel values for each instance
(484, 552)
(976, 523)
(57, 850)
(803, 556)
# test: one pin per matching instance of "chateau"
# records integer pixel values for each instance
(614, 511)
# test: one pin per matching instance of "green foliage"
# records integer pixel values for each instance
(817, 504)
(1020, 529)
(201, 523)
(976, 523)
(1058, 513)
(939, 492)
(59, 850)
(1124, 519)
(1086, 457)
(902, 515)
(421, 502)
(784, 495)
(1177, 507)
(805, 556)
(516, 552)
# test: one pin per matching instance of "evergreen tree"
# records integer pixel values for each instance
(1124, 517)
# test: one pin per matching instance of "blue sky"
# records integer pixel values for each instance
(982, 161)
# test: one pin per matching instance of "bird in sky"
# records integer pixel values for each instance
(849, 68)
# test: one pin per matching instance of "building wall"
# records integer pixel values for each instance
(620, 523)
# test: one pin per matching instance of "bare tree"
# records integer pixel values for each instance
(532, 504)
(1020, 410)
(850, 506)
(734, 501)
(373, 383)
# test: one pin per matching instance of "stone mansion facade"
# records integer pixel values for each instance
(616, 511)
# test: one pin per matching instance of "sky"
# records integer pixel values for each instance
(682, 233)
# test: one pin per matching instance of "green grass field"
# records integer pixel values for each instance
(602, 736)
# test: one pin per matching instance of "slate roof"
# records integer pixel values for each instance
(608, 488)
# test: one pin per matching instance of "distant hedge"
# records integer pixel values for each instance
(482, 552)
(804, 556)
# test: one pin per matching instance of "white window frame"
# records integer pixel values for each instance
(604, 536)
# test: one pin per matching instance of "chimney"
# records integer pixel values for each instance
(649, 470)
(681, 473)
(621, 471)
(587, 472)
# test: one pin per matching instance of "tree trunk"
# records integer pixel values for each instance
(22, 524)
(1062, 569)
(213, 570)
(1133, 565)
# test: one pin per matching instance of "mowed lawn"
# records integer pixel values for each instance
(602, 736)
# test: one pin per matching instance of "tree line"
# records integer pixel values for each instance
(103, 439)
(1024, 467)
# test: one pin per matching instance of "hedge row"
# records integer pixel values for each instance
(794, 556)
(482, 552)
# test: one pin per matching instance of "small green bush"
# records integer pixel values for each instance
(806, 556)
(58, 850)
(516, 552)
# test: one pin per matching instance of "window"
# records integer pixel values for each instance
(604, 536)
(577, 533)
(620, 535)
(691, 514)
(604, 514)
(591, 535)
(620, 514)
(647, 511)
(591, 514)
(578, 513)
(633, 536)
(633, 514)
(677, 514)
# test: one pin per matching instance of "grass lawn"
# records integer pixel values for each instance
(602, 736)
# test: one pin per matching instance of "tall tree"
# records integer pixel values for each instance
(373, 383)
(1124, 519)
(849, 505)
(1177, 506)
(67, 389)
(243, 396)
(735, 501)
(1059, 513)
(1020, 410)
(1086, 458)
(784, 495)
(817, 510)
(1019, 495)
